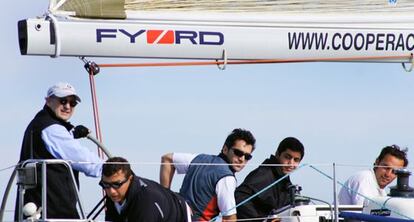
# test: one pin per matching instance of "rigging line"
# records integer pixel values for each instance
(95, 106)
(206, 164)
(223, 164)
(7, 168)
(195, 164)
(365, 197)
(260, 192)
(259, 61)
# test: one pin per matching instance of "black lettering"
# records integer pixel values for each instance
(380, 41)
(370, 40)
(100, 33)
(307, 40)
(190, 35)
(400, 43)
(359, 44)
(216, 38)
(347, 41)
(410, 44)
(390, 42)
(320, 40)
(336, 46)
(131, 37)
(293, 41)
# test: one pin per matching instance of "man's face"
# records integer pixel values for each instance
(290, 158)
(62, 107)
(237, 154)
(384, 173)
(116, 186)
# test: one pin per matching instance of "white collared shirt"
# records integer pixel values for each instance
(365, 183)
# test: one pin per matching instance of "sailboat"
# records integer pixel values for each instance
(95, 29)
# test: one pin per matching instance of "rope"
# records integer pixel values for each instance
(93, 69)
(95, 111)
(7, 168)
(215, 164)
(260, 61)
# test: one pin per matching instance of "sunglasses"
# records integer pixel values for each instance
(64, 101)
(115, 185)
(239, 153)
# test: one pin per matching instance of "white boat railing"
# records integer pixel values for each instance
(27, 179)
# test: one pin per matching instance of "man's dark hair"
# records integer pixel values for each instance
(293, 144)
(115, 164)
(240, 134)
(395, 151)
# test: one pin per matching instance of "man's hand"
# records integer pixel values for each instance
(80, 132)
(230, 218)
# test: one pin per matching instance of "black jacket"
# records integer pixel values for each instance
(148, 201)
(274, 198)
(61, 197)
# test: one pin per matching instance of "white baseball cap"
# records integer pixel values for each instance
(62, 89)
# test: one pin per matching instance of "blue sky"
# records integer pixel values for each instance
(342, 112)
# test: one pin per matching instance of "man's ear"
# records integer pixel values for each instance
(47, 100)
(225, 150)
(376, 164)
(277, 154)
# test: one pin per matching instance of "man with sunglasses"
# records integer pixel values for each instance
(209, 182)
(50, 136)
(371, 183)
(133, 198)
(287, 157)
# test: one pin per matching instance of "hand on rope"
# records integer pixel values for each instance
(80, 132)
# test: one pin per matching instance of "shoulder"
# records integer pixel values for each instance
(361, 175)
(55, 132)
(41, 120)
(183, 157)
(360, 178)
(205, 158)
(229, 181)
(148, 188)
(56, 127)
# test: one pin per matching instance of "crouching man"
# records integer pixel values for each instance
(133, 198)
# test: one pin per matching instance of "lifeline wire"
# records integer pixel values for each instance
(7, 168)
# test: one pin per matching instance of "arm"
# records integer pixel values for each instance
(359, 188)
(167, 170)
(173, 162)
(230, 218)
(362, 183)
(225, 198)
(61, 144)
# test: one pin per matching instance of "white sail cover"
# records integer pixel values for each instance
(290, 30)
(119, 8)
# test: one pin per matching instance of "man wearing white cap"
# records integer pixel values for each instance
(50, 136)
